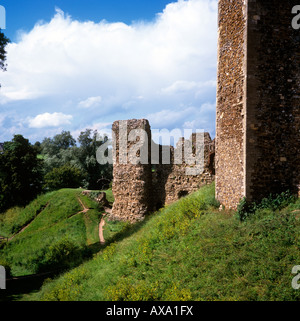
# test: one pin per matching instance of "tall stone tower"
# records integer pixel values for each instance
(258, 100)
(132, 170)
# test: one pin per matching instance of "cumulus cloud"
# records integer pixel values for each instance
(126, 71)
(50, 120)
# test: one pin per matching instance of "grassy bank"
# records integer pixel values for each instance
(51, 233)
(190, 251)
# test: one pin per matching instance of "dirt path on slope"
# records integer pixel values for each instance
(85, 209)
(102, 222)
(101, 225)
(25, 227)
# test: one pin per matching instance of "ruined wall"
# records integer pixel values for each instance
(132, 182)
(141, 188)
(173, 181)
(258, 141)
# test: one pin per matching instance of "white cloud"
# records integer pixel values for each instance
(90, 102)
(49, 120)
(168, 118)
(181, 86)
(69, 55)
(188, 117)
(188, 87)
(170, 62)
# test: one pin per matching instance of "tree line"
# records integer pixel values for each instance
(27, 170)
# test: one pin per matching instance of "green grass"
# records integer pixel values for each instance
(190, 251)
(56, 234)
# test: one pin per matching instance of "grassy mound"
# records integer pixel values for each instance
(51, 233)
(190, 251)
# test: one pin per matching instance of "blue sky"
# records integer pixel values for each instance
(76, 64)
(23, 14)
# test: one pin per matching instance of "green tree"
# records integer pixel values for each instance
(20, 173)
(66, 176)
(3, 42)
(63, 141)
(58, 151)
(62, 150)
(89, 142)
(38, 147)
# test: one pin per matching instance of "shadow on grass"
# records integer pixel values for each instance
(19, 286)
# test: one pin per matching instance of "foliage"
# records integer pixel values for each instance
(20, 173)
(3, 43)
(58, 151)
(60, 255)
(273, 202)
(66, 176)
(71, 290)
(62, 149)
(59, 142)
(55, 163)
(89, 143)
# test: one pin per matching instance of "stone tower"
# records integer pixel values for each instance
(132, 170)
(258, 100)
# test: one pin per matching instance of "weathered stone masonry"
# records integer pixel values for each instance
(132, 183)
(148, 185)
(258, 91)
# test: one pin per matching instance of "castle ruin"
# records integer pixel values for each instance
(258, 91)
(147, 175)
(258, 120)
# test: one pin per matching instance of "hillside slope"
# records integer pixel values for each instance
(190, 251)
(52, 232)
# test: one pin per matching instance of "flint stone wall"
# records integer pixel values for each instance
(258, 91)
(132, 183)
(141, 188)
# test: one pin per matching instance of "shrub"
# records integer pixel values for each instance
(127, 289)
(63, 177)
(177, 293)
(244, 209)
(273, 203)
(70, 289)
(60, 255)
